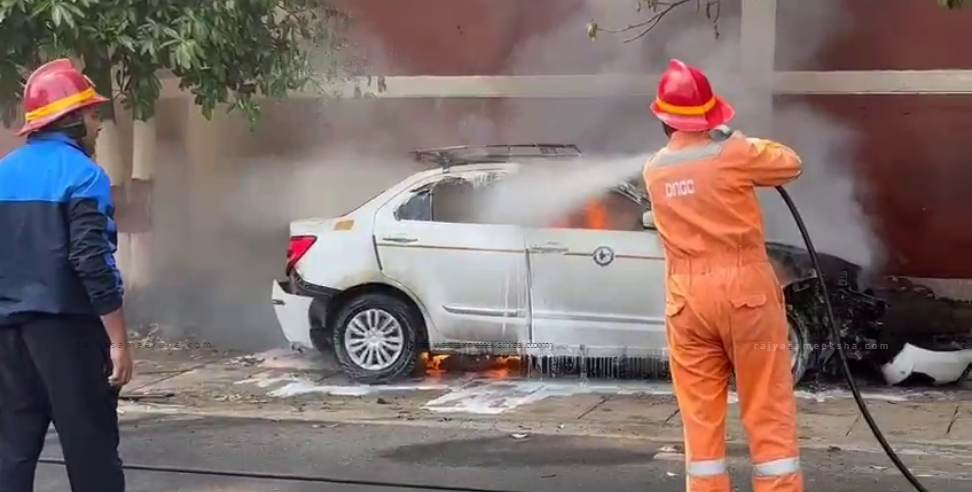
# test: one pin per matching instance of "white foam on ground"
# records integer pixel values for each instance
(281, 358)
(477, 395)
(294, 386)
(303, 387)
(896, 396)
(495, 397)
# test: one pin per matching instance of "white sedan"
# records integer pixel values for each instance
(417, 269)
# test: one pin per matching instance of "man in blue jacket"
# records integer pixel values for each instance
(64, 351)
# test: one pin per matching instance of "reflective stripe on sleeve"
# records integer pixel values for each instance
(666, 157)
(707, 468)
(775, 468)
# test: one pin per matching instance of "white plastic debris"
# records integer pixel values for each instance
(942, 366)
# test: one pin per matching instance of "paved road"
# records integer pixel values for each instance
(462, 458)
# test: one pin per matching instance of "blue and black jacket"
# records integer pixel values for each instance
(57, 233)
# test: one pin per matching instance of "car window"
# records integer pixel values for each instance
(418, 207)
(454, 199)
(610, 211)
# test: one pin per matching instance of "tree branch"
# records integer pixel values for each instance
(655, 19)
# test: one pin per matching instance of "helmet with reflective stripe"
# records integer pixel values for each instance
(54, 90)
(686, 102)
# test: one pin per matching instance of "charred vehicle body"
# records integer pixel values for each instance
(421, 269)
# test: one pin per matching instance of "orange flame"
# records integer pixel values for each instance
(594, 215)
(503, 367)
(434, 363)
(494, 367)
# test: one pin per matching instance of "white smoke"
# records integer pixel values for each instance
(215, 254)
(542, 193)
(826, 193)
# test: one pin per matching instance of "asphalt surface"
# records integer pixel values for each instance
(369, 458)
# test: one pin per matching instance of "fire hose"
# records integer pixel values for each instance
(835, 338)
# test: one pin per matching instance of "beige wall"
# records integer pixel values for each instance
(8, 141)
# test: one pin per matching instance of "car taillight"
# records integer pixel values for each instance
(297, 249)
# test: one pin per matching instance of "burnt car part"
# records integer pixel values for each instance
(447, 157)
(836, 339)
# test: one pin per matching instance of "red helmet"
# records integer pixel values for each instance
(686, 102)
(54, 90)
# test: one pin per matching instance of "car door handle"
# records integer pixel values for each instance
(399, 239)
(548, 248)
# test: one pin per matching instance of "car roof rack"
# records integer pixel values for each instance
(482, 154)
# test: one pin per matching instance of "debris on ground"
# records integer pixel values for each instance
(381, 401)
(245, 361)
(833, 449)
(669, 457)
(146, 396)
(153, 340)
(519, 435)
(670, 452)
(228, 397)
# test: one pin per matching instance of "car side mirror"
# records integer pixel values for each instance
(648, 220)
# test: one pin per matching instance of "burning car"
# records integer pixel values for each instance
(416, 270)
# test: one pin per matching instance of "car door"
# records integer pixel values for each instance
(597, 279)
(470, 277)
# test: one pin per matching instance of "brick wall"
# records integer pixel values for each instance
(884, 35)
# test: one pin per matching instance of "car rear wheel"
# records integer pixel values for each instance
(800, 347)
(376, 338)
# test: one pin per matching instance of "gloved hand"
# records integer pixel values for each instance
(722, 132)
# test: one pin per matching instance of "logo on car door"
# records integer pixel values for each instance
(603, 256)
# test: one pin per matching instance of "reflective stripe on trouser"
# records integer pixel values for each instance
(782, 474)
(724, 321)
(707, 475)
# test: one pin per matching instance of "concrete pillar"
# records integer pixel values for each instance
(139, 193)
(206, 153)
(145, 142)
(758, 45)
(108, 153)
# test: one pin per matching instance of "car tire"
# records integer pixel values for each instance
(376, 338)
(801, 348)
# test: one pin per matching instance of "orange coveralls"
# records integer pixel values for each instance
(724, 306)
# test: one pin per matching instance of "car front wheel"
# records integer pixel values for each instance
(376, 338)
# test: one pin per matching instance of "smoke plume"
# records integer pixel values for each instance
(220, 236)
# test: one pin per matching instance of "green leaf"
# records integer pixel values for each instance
(59, 14)
(224, 52)
(127, 42)
(76, 11)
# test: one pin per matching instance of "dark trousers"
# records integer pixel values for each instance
(55, 369)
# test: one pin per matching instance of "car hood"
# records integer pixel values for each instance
(793, 263)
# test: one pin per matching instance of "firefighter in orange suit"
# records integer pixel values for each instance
(724, 308)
